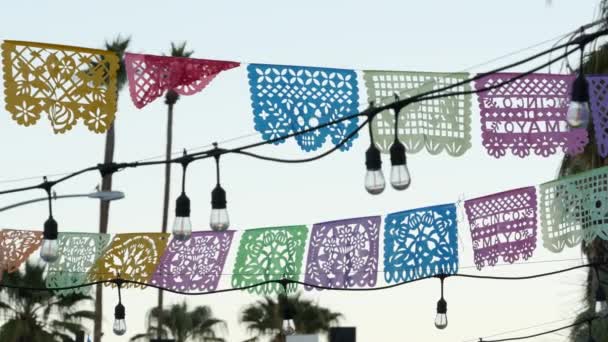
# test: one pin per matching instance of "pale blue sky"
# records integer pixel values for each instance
(427, 35)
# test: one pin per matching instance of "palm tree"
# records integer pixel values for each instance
(119, 46)
(596, 62)
(177, 50)
(183, 325)
(39, 316)
(265, 317)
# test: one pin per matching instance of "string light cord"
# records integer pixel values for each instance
(292, 281)
(370, 112)
(547, 332)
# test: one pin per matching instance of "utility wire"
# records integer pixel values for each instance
(370, 113)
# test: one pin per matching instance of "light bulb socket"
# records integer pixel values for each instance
(580, 89)
(288, 312)
(50, 229)
(373, 161)
(218, 198)
(442, 306)
(182, 206)
(600, 294)
(398, 153)
(119, 311)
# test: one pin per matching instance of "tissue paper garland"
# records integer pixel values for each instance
(150, 76)
(343, 253)
(15, 247)
(439, 124)
(288, 99)
(194, 264)
(420, 243)
(77, 254)
(503, 224)
(130, 256)
(528, 114)
(269, 254)
(64, 82)
(574, 208)
(598, 99)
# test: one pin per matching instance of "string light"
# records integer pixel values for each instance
(400, 175)
(219, 219)
(120, 325)
(441, 320)
(374, 179)
(49, 250)
(578, 111)
(182, 226)
(601, 307)
(288, 327)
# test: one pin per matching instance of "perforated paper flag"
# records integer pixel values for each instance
(65, 83)
(130, 256)
(77, 253)
(287, 99)
(150, 76)
(503, 225)
(528, 115)
(420, 243)
(598, 99)
(195, 264)
(574, 208)
(437, 125)
(15, 247)
(343, 253)
(269, 254)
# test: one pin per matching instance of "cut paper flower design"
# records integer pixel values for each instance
(64, 82)
(528, 114)
(574, 208)
(195, 264)
(15, 247)
(288, 99)
(437, 125)
(77, 254)
(598, 99)
(130, 256)
(269, 254)
(503, 225)
(420, 243)
(150, 76)
(343, 253)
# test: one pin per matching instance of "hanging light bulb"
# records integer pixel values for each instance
(120, 325)
(374, 179)
(601, 307)
(288, 327)
(400, 175)
(219, 215)
(182, 226)
(441, 320)
(578, 111)
(49, 251)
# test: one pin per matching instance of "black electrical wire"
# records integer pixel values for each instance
(370, 112)
(281, 281)
(547, 332)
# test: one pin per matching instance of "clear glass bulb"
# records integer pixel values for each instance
(219, 219)
(578, 114)
(49, 251)
(400, 177)
(601, 307)
(441, 321)
(182, 228)
(289, 327)
(119, 327)
(374, 181)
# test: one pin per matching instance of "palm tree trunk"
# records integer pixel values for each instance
(170, 99)
(104, 214)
